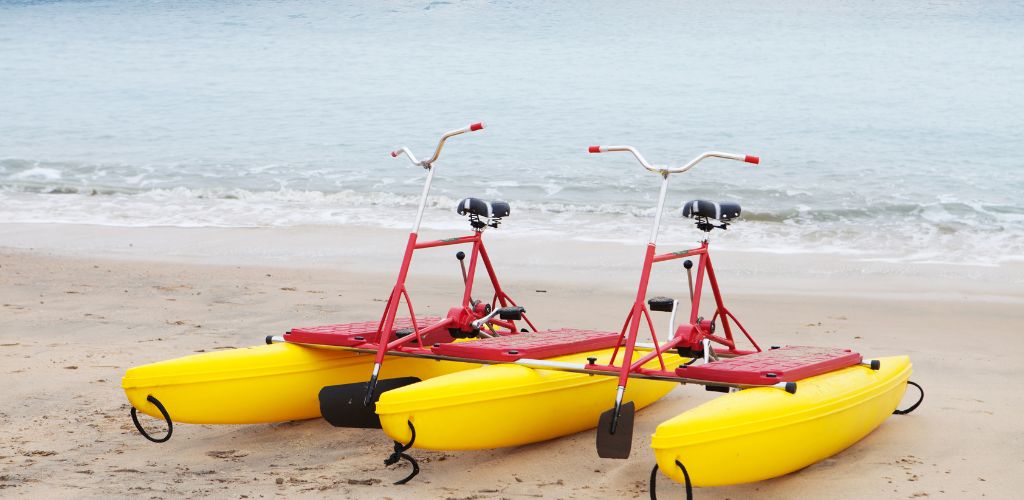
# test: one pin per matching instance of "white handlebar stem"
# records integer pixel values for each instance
(440, 144)
(665, 171)
(677, 170)
(428, 164)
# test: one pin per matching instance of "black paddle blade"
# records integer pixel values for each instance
(619, 444)
(342, 405)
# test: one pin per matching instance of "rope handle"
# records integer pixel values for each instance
(163, 411)
(399, 454)
(913, 406)
(686, 477)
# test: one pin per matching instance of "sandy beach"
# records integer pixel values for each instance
(81, 304)
(194, 177)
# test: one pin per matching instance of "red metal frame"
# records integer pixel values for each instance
(698, 329)
(466, 316)
(458, 317)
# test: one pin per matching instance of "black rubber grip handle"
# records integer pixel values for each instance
(511, 313)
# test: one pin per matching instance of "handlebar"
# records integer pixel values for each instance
(677, 170)
(440, 144)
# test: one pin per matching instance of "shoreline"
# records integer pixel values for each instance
(529, 258)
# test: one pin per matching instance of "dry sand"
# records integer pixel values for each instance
(80, 304)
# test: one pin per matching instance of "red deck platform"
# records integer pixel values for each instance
(350, 334)
(537, 345)
(786, 364)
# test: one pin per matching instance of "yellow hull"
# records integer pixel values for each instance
(267, 383)
(758, 434)
(508, 405)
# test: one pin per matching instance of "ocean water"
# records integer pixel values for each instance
(887, 130)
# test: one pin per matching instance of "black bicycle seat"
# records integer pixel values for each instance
(483, 208)
(722, 211)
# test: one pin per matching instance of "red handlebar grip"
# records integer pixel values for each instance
(394, 154)
(752, 159)
(476, 126)
(595, 149)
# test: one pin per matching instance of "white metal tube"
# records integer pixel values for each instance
(484, 320)
(429, 165)
(440, 144)
(672, 320)
(543, 363)
(619, 393)
(406, 152)
(677, 170)
(711, 154)
(665, 172)
(661, 208)
(423, 200)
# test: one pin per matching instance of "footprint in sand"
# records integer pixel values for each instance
(233, 455)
